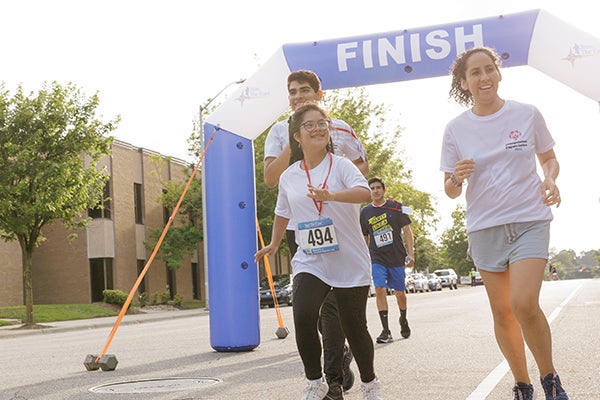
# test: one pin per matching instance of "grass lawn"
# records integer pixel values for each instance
(56, 312)
(67, 312)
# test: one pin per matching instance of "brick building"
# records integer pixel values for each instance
(110, 252)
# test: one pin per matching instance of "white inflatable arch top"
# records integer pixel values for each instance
(535, 38)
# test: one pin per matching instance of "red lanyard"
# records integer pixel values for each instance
(319, 204)
(384, 205)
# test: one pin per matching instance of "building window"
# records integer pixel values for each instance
(101, 277)
(195, 281)
(166, 211)
(102, 210)
(137, 203)
(171, 282)
(140, 266)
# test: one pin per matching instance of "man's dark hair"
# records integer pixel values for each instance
(302, 76)
(377, 179)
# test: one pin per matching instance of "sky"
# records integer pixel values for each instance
(155, 62)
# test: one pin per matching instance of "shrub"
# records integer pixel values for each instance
(177, 300)
(161, 297)
(115, 297)
(165, 297)
(143, 297)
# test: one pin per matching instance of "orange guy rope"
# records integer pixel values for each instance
(154, 252)
(270, 277)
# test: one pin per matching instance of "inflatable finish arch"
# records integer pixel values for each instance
(533, 38)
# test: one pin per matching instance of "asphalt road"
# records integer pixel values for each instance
(451, 354)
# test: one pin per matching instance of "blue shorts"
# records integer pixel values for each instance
(391, 277)
(494, 249)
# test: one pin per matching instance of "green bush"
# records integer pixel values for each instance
(177, 300)
(165, 297)
(115, 297)
(143, 298)
(161, 298)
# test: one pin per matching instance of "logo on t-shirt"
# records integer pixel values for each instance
(515, 135)
(516, 144)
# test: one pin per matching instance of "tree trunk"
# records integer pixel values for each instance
(26, 255)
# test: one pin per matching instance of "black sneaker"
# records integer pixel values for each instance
(553, 388)
(335, 392)
(523, 391)
(347, 373)
(385, 337)
(404, 328)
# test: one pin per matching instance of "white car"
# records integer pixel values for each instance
(421, 282)
(435, 283)
(448, 277)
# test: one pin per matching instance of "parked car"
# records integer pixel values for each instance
(410, 283)
(448, 277)
(421, 283)
(283, 290)
(478, 279)
(435, 282)
(372, 293)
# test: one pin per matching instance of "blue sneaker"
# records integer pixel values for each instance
(553, 388)
(523, 391)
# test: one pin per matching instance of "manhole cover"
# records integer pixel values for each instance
(156, 385)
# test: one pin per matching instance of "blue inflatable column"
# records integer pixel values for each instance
(231, 233)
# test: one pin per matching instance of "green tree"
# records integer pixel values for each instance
(386, 161)
(265, 196)
(565, 262)
(50, 144)
(183, 237)
(455, 244)
(381, 145)
(427, 253)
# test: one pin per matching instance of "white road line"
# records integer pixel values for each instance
(558, 309)
(491, 381)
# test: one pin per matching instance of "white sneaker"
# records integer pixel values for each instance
(315, 390)
(372, 390)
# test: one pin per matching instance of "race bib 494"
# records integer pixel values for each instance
(318, 236)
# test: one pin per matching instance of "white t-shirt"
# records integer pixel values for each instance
(345, 143)
(505, 187)
(350, 266)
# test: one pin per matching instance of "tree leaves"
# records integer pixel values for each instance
(50, 143)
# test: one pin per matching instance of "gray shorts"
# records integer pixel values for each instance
(494, 249)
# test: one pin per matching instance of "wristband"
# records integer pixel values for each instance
(454, 182)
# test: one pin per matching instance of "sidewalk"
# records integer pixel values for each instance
(81, 324)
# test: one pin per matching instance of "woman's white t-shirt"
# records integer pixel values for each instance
(350, 266)
(505, 187)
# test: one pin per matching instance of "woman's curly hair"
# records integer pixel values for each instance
(458, 70)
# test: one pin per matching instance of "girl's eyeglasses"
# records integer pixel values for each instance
(310, 126)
